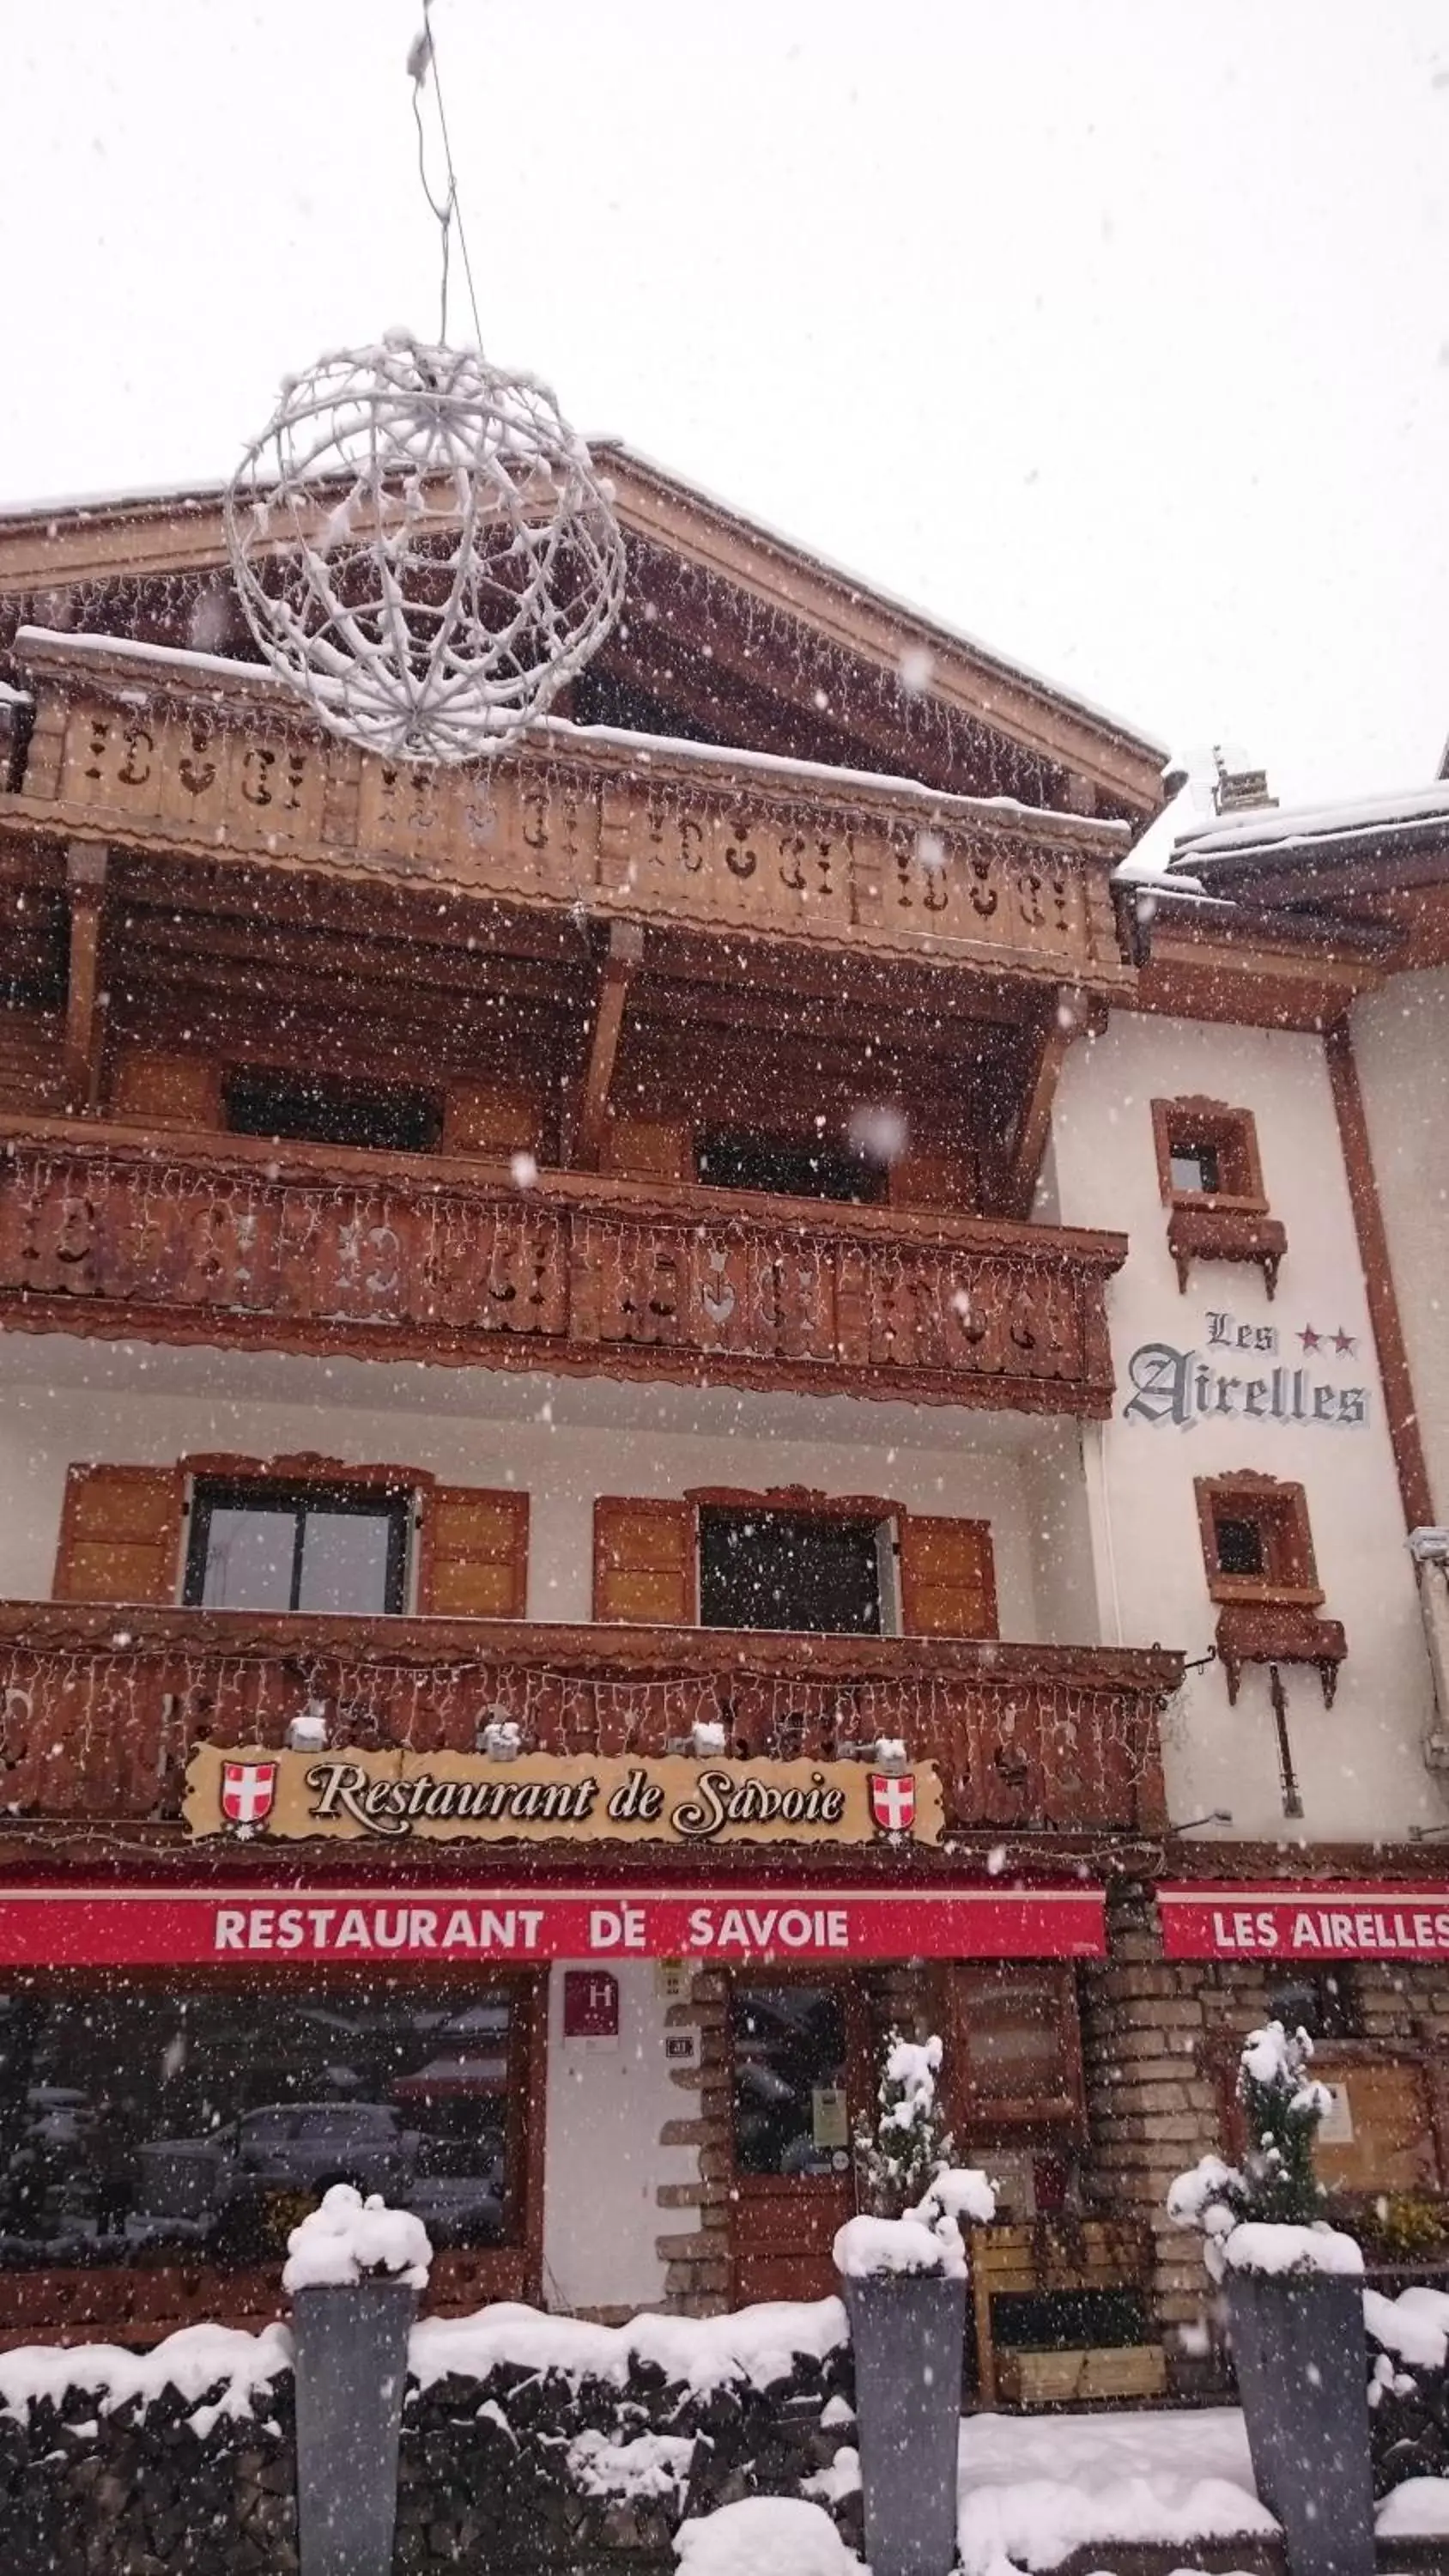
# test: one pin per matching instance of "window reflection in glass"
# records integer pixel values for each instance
(789, 2079)
(136, 2123)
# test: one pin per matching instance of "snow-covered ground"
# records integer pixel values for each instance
(1035, 2488)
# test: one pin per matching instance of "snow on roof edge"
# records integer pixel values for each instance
(179, 658)
(1273, 829)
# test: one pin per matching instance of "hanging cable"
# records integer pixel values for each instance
(423, 58)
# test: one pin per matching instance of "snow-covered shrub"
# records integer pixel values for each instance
(348, 2239)
(1266, 2215)
(908, 2146)
(918, 2198)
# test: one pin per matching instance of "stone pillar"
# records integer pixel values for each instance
(1152, 2106)
(696, 2253)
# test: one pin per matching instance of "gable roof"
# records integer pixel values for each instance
(674, 532)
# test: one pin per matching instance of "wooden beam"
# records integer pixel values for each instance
(624, 955)
(1065, 1018)
(1415, 1491)
(85, 868)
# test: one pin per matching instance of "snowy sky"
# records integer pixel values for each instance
(1115, 332)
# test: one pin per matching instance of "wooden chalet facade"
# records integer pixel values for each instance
(590, 1294)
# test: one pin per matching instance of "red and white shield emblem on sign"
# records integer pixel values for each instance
(248, 1790)
(892, 1801)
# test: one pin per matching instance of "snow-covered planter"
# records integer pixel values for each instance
(903, 2272)
(354, 2271)
(1293, 2287)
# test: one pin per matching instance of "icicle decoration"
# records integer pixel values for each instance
(423, 549)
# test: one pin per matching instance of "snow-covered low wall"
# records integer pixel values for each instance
(528, 2442)
(531, 2440)
(1408, 2385)
(176, 2462)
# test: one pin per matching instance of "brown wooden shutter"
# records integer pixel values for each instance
(948, 1578)
(120, 1534)
(491, 1121)
(149, 1090)
(644, 1562)
(647, 1149)
(920, 1180)
(474, 1562)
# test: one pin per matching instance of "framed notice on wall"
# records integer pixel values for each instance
(829, 2116)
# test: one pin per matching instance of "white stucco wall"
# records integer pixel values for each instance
(607, 2105)
(1401, 1042)
(563, 1441)
(1358, 1764)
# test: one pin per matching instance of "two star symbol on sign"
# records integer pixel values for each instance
(1345, 1344)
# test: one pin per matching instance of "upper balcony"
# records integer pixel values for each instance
(148, 750)
(103, 1706)
(122, 1231)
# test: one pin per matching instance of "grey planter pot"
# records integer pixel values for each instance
(352, 2353)
(1302, 2369)
(908, 2330)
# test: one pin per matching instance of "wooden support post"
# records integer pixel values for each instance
(1068, 1013)
(1410, 1462)
(624, 955)
(85, 868)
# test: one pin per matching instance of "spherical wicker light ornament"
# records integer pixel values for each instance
(423, 549)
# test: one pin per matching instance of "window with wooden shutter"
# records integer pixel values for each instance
(120, 1534)
(644, 1562)
(948, 1578)
(474, 1554)
(1015, 2043)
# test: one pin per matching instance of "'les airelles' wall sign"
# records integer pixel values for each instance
(391, 1797)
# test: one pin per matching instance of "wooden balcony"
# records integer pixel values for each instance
(166, 752)
(230, 1239)
(102, 1706)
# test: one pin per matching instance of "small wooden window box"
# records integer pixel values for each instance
(1082, 2378)
(1279, 1632)
(1207, 1233)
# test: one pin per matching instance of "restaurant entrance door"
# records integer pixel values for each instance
(800, 2080)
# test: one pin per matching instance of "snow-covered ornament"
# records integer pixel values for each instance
(423, 548)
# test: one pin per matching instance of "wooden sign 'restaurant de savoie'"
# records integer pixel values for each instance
(392, 1796)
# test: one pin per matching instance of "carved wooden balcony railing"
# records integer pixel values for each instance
(160, 752)
(102, 1706)
(231, 1239)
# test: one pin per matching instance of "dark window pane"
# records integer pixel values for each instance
(1321, 2004)
(263, 1103)
(789, 2079)
(256, 1546)
(345, 1561)
(1195, 1167)
(763, 1569)
(1240, 1547)
(142, 2125)
(785, 1169)
(248, 1559)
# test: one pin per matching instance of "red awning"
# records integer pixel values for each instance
(1304, 1926)
(289, 1927)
